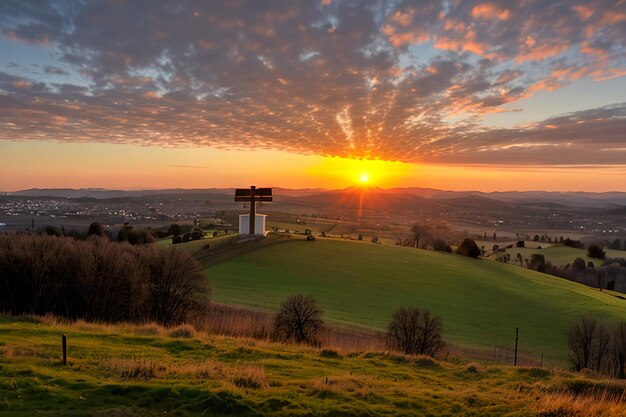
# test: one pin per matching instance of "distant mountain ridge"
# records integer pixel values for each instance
(606, 200)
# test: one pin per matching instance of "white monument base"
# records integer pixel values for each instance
(259, 224)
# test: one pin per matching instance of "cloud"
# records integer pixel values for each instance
(331, 78)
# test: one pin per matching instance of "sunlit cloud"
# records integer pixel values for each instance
(401, 80)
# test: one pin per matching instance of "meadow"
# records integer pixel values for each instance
(360, 284)
(147, 370)
(562, 255)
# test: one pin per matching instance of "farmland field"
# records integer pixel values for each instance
(361, 284)
(562, 255)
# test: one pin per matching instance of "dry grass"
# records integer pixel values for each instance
(183, 331)
(137, 369)
(249, 376)
(237, 322)
(336, 386)
(11, 351)
(563, 404)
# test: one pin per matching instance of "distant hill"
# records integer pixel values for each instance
(366, 201)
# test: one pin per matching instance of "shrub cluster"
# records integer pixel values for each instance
(97, 279)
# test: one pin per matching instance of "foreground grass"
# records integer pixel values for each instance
(148, 370)
(356, 283)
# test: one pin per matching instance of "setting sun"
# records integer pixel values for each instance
(364, 178)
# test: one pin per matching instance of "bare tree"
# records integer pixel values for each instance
(176, 286)
(589, 345)
(299, 320)
(580, 341)
(419, 234)
(414, 331)
(601, 350)
(619, 350)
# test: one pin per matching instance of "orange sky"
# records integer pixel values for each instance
(43, 164)
(470, 95)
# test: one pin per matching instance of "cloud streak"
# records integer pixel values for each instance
(343, 78)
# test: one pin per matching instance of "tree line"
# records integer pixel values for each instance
(100, 280)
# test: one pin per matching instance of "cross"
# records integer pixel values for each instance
(252, 196)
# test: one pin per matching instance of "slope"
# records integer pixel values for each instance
(361, 284)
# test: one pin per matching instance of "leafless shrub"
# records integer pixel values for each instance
(414, 331)
(299, 320)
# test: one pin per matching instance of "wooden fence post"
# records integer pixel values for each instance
(516, 339)
(64, 339)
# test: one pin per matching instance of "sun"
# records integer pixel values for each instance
(364, 178)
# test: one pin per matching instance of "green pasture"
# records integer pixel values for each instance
(361, 284)
(562, 255)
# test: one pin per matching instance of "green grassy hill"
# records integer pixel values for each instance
(148, 371)
(361, 284)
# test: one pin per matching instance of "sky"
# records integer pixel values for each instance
(495, 95)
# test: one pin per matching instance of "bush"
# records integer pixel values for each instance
(537, 262)
(573, 243)
(329, 353)
(468, 248)
(520, 244)
(595, 251)
(299, 320)
(96, 229)
(135, 237)
(441, 245)
(197, 234)
(310, 238)
(174, 229)
(53, 231)
(579, 264)
(413, 331)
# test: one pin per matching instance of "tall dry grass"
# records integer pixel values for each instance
(240, 375)
(240, 322)
(564, 404)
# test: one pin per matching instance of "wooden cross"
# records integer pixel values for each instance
(253, 195)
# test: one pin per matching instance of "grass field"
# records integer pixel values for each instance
(562, 255)
(146, 371)
(357, 283)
